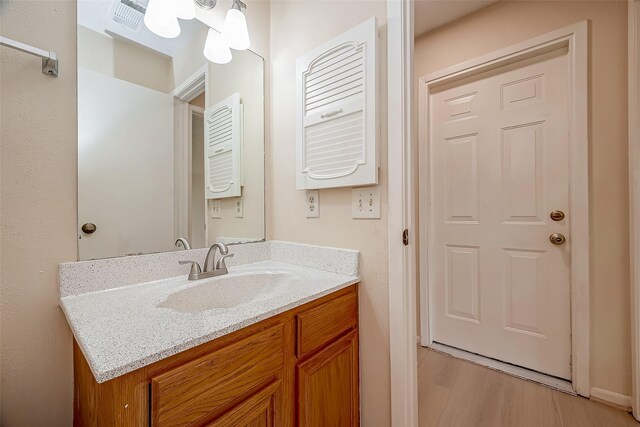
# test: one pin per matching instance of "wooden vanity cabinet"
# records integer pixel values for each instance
(299, 368)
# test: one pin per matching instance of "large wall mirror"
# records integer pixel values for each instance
(169, 144)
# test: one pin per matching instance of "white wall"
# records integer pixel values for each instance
(37, 213)
(297, 27)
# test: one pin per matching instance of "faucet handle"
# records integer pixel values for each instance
(195, 269)
(221, 265)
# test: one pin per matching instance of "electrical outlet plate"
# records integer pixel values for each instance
(239, 207)
(365, 202)
(312, 204)
(216, 209)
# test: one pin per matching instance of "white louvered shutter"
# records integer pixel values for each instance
(223, 146)
(337, 111)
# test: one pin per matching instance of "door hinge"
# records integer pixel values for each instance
(405, 237)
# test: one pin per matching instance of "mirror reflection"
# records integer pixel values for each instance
(170, 145)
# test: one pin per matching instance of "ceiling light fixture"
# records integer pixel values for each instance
(185, 9)
(161, 18)
(216, 48)
(207, 4)
(235, 27)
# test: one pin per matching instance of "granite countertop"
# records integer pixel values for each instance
(122, 329)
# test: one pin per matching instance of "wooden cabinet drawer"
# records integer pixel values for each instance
(319, 325)
(198, 390)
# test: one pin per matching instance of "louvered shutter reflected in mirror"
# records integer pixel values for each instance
(223, 145)
(337, 111)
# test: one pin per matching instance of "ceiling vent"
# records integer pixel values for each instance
(129, 14)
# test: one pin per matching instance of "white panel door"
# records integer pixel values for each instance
(499, 165)
(125, 167)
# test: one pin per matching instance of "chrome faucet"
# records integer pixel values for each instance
(215, 269)
(224, 252)
(184, 242)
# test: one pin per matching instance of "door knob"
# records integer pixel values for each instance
(557, 215)
(557, 239)
(89, 228)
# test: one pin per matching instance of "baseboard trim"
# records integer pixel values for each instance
(611, 398)
(516, 371)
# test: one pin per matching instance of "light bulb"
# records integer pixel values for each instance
(185, 9)
(216, 48)
(160, 18)
(235, 29)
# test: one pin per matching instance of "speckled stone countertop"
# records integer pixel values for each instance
(133, 325)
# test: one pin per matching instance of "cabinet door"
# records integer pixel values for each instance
(337, 128)
(328, 390)
(223, 148)
(259, 410)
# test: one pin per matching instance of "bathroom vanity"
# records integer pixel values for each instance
(296, 368)
(272, 343)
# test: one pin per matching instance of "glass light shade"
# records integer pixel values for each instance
(160, 18)
(216, 48)
(235, 30)
(185, 9)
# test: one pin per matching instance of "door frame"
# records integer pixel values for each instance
(575, 39)
(197, 111)
(184, 93)
(634, 197)
(403, 343)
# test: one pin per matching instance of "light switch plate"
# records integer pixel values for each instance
(365, 202)
(216, 209)
(312, 204)
(239, 207)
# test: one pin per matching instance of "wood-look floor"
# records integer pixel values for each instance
(454, 392)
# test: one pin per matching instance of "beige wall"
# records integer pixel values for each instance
(509, 22)
(297, 27)
(38, 213)
(244, 75)
(124, 60)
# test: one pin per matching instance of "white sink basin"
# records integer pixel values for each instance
(228, 291)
